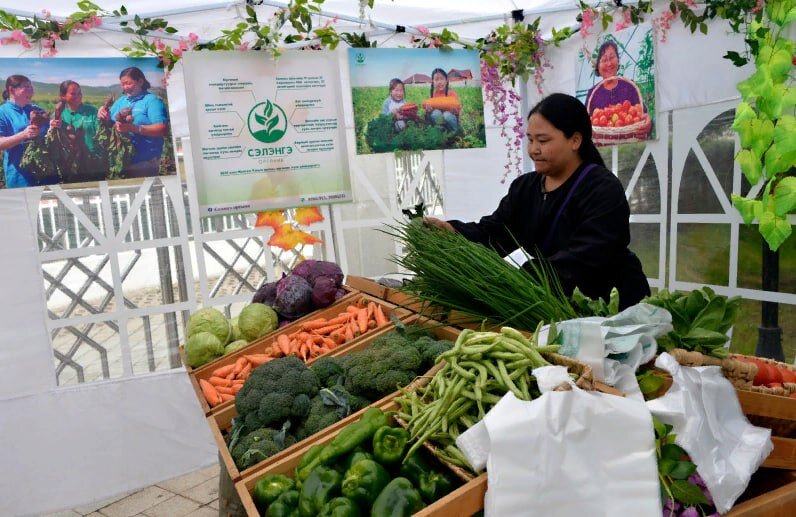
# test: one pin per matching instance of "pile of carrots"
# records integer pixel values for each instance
(224, 382)
(314, 338)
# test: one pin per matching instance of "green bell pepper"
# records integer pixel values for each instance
(355, 457)
(389, 443)
(398, 499)
(267, 489)
(348, 439)
(432, 484)
(308, 457)
(364, 481)
(286, 505)
(340, 507)
(321, 486)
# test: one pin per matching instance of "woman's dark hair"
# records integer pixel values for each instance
(135, 74)
(395, 82)
(64, 86)
(609, 43)
(569, 115)
(445, 75)
(14, 81)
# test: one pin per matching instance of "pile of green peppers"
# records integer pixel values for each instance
(362, 471)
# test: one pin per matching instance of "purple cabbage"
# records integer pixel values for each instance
(340, 293)
(311, 270)
(323, 292)
(293, 297)
(266, 294)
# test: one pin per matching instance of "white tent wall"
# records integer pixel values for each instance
(66, 446)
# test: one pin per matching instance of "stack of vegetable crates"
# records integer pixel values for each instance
(266, 342)
(220, 421)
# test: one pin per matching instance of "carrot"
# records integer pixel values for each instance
(257, 359)
(236, 388)
(303, 351)
(371, 310)
(338, 337)
(343, 318)
(328, 329)
(352, 309)
(219, 381)
(225, 397)
(354, 328)
(238, 382)
(381, 318)
(371, 324)
(322, 350)
(246, 371)
(315, 324)
(362, 320)
(283, 343)
(224, 389)
(239, 365)
(223, 371)
(329, 343)
(210, 393)
(349, 334)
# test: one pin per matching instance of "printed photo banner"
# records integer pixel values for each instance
(416, 99)
(266, 134)
(616, 81)
(82, 120)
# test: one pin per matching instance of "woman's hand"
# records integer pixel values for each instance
(30, 132)
(124, 127)
(103, 113)
(439, 224)
(56, 123)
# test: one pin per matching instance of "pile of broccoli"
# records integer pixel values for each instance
(285, 394)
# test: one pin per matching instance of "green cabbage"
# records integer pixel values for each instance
(201, 348)
(235, 345)
(256, 320)
(209, 320)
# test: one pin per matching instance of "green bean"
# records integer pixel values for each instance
(515, 334)
(513, 387)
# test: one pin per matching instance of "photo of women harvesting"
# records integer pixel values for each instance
(90, 121)
(398, 105)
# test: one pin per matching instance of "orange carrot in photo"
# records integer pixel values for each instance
(362, 320)
(211, 395)
(223, 371)
(381, 318)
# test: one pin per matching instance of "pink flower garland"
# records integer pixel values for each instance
(506, 109)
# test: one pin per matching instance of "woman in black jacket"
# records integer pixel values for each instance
(571, 210)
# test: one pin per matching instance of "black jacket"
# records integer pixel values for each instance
(589, 247)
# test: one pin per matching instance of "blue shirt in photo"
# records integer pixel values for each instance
(14, 119)
(147, 109)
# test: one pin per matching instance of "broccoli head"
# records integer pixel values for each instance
(379, 370)
(259, 445)
(329, 371)
(276, 391)
(430, 349)
(326, 408)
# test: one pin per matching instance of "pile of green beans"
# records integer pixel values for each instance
(479, 369)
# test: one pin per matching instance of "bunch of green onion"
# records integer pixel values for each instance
(455, 273)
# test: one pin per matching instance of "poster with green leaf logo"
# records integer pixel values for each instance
(266, 133)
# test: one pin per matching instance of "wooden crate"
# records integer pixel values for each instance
(263, 344)
(221, 421)
(771, 493)
(366, 285)
(286, 465)
(215, 363)
(417, 305)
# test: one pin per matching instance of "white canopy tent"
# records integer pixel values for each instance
(70, 445)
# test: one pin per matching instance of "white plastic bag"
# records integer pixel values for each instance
(567, 453)
(704, 410)
(627, 338)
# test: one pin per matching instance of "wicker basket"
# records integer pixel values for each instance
(620, 135)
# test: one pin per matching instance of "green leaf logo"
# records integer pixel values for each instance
(267, 122)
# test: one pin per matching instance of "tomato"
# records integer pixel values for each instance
(636, 119)
(614, 118)
(603, 120)
(626, 104)
(597, 113)
(787, 375)
(763, 376)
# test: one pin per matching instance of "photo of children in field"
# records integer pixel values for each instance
(81, 120)
(416, 99)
